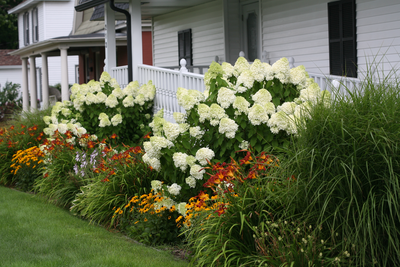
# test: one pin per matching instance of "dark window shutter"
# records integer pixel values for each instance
(185, 46)
(342, 38)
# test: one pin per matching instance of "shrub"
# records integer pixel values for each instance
(348, 161)
(10, 102)
(244, 106)
(103, 109)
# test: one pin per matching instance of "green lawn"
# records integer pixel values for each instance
(36, 233)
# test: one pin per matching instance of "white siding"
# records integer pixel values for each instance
(20, 30)
(378, 35)
(10, 74)
(297, 29)
(41, 22)
(58, 18)
(206, 22)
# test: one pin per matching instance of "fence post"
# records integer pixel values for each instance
(182, 70)
(291, 62)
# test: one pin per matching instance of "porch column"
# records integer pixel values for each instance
(136, 30)
(45, 81)
(32, 65)
(110, 43)
(64, 74)
(25, 92)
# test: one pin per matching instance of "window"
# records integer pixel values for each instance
(35, 25)
(26, 28)
(185, 46)
(342, 38)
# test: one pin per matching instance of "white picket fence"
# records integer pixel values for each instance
(167, 82)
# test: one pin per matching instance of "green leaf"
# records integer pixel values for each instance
(253, 141)
(239, 138)
(276, 101)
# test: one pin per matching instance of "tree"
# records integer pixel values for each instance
(8, 25)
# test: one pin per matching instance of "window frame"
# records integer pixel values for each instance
(26, 28)
(35, 25)
(342, 39)
(185, 46)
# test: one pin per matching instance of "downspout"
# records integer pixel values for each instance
(128, 37)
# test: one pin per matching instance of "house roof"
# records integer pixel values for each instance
(9, 60)
(74, 43)
(149, 8)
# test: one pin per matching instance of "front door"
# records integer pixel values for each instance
(251, 30)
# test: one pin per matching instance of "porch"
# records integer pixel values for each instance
(167, 82)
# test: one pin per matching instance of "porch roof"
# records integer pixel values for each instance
(74, 43)
(149, 8)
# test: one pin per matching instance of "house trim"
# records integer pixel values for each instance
(28, 4)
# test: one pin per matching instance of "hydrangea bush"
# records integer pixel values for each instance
(246, 105)
(103, 108)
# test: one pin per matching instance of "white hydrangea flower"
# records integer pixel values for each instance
(159, 142)
(179, 117)
(153, 162)
(197, 171)
(62, 128)
(80, 131)
(72, 128)
(131, 89)
(84, 89)
(225, 97)
(171, 130)
(54, 119)
(216, 114)
(111, 101)
(191, 181)
(148, 91)
(100, 98)
(94, 86)
(104, 120)
(246, 79)
(128, 101)
(269, 108)
(262, 97)
(180, 160)
(228, 70)
(189, 98)
(228, 127)
(157, 125)
(117, 92)
(47, 119)
(257, 115)
(241, 105)
(114, 83)
(241, 65)
(156, 185)
(287, 107)
(278, 121)
(184, 127)
(174, 189)
(268, 72)
(281, 70)
(116, 119)
(74, 90)
(150, 151)
(196, 132)
(181, 208)
(311, 93)
(204, 112)
(244, 145)
(90, 98)
(105, 77)
(298, 75)
(258, 70)
(140, 100)
(190, 160)
(204, 154)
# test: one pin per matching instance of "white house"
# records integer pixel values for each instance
(38, 21)
(333, 39)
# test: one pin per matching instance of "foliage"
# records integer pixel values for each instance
(347, 158)
(118, 176)
(26, 165)
(103, 109)
(9, 100)
(8, 25)
(19, 137)
(244, 106)
(66, 168)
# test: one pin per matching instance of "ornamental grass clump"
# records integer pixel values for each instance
(257, 106)
(348, 162)
(103, 108)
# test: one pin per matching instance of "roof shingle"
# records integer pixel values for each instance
(6, 59)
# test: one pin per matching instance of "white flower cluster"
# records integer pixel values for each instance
(228, 127)
(189, 98)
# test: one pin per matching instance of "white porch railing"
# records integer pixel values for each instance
(167, 82)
